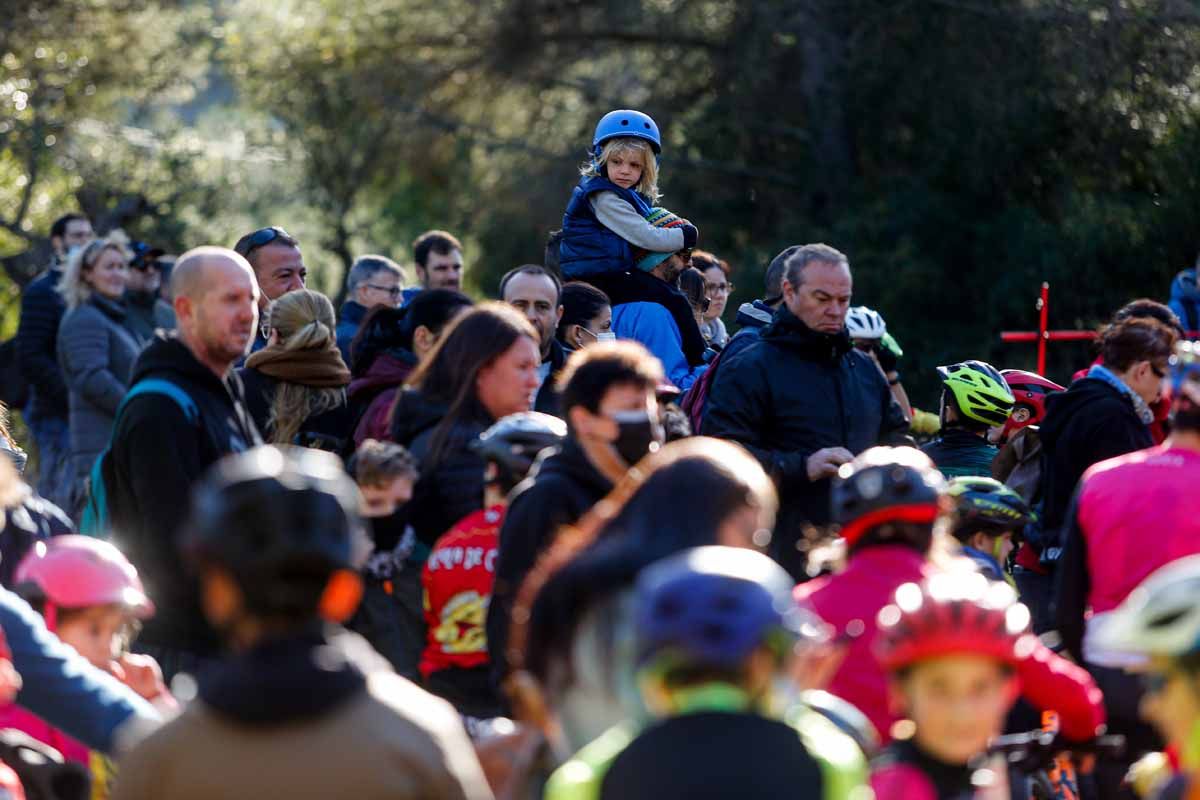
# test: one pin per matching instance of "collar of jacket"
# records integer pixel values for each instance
(788, 331)
(114, 309)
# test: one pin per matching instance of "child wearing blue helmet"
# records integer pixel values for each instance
(716, 633)
(613, 234)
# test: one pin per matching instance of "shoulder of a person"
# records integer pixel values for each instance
(395, 700)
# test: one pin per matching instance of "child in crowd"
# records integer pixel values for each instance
(958, 652)
(92, 599)
(611, 215)
(385, 473)
(988, 517)
(717, 639)
(461, 570)
(975, 398)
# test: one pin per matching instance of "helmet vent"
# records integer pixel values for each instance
(1168, 619)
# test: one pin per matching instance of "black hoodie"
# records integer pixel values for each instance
(563, 488)
(451, 485)
(1090, 422)
(157, 455)
(793, 392)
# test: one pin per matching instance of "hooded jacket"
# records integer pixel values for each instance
(564, 487)
(587, 247)
(449, 488)
(157, 455)
(1185, 299)
(329, 429)
(373, 395)
(790, 394)
(313, 715)
(1090, 422)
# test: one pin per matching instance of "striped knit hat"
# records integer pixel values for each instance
(659, 218)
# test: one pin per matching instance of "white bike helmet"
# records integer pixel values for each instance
(865, 323)
(1161, 616)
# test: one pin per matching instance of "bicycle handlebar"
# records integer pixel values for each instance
(1037, 749)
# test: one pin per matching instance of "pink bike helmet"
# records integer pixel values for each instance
(79, 572)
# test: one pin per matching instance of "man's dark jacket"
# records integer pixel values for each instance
(790, 394)
(157, 455)
(42, 309)
(563, 489)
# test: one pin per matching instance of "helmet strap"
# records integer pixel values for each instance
(50, 615)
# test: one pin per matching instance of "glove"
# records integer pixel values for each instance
(891, 345)
(887, 360)
(690, 235)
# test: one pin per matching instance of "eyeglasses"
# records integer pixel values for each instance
(718, 288)
(260, 238)
(1160, 372)
(392, 291)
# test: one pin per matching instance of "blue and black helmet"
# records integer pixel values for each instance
(625, 122)
(713, 606)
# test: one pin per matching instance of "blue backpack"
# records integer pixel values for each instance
(96, 515)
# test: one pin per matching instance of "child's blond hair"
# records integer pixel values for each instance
(648, 185)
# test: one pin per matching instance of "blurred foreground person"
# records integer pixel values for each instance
(297, 709)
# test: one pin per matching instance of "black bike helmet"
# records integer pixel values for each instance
(886, 485)
(986, 505)
(513, 443)
(282, 521)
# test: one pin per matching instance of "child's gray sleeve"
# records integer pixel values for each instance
(623, 220)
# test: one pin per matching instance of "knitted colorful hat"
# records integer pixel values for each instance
(659, 218)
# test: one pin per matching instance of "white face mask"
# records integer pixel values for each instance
(606, 336)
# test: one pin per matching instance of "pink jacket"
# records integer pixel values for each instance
(13, 716)
(850, 601)
(1137, 512)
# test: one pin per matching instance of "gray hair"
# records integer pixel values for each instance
(367, 267)
(810, 254)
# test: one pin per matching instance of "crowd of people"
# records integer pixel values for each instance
(581, 540)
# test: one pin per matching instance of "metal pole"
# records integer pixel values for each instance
(1043, 321)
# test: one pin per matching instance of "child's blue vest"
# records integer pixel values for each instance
(587, 247)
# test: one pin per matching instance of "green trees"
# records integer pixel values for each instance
(959, 151)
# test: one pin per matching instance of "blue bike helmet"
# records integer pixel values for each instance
(713, 606)
(625, 122)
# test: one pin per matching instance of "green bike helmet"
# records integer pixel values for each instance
(979, 391)
(986, 505)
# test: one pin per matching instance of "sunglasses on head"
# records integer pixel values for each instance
(260, 238)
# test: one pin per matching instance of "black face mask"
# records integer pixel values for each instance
(638, 434)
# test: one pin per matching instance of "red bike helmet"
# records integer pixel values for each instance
(953, 613)
(1029, 389)
(79, 572)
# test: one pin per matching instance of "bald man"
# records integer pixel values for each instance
(184, 411)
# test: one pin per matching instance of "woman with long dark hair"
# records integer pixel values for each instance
(483, 368)
(572, 630)
(389, 344)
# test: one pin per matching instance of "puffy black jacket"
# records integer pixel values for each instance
(450, 487)
(27, 521)
(564, 487)
(42, 309)
(790, 394)
(1090, 422)
(157, 455)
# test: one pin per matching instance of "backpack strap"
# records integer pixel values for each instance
(94, 520)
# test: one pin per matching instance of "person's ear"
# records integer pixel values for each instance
(183, 308)
(580, 419)
(423, 340)
(558, 316)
